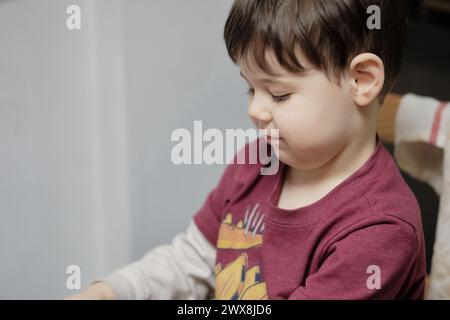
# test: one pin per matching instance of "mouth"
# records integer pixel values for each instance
(270, 139)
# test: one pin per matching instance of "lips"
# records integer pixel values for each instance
(270, 139)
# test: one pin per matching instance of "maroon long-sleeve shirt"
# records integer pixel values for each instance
(363, 240)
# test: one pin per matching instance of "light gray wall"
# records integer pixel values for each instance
(63, 153)
(85, 124)
(178, 71)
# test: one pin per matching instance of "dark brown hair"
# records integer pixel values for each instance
(329, 32)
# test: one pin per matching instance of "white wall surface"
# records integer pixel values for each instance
(85, 122)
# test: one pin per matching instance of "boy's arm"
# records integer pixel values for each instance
(183, 269)
(377, 261)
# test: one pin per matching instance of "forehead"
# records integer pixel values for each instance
(249, 65)
(267, 64)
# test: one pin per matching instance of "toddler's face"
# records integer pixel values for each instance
(315, 117)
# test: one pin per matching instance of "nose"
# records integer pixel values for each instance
(258, 112)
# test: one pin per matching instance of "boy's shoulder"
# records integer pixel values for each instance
(377, 204)
(387, 193)
(376, 194)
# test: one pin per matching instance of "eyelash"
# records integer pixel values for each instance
(275, 99)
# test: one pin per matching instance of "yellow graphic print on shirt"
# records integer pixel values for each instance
(236, 280)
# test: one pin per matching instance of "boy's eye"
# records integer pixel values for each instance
(275, 99)
(280, 99)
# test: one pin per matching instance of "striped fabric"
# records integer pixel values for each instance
(422, 149)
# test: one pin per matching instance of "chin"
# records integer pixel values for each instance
(298, 163)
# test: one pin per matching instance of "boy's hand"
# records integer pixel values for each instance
(97, 291)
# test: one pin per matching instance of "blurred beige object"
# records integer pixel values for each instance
(422, 149)
(437, 5)
(440, 273)
(386, 117)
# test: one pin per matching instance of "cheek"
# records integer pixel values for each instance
(313, 128)
(326, 110)
(297, 120)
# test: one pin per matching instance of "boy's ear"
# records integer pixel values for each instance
(367, 72)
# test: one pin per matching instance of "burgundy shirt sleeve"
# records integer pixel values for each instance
(209, 217)
(350, 263)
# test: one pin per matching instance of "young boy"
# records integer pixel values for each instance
(337, 221)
